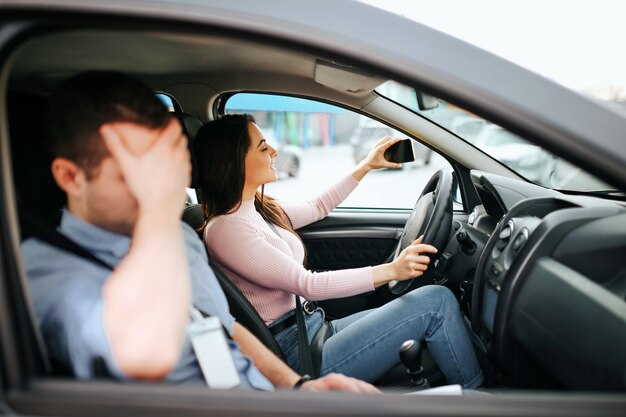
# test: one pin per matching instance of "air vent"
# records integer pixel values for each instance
(521, 239)
(503, 238)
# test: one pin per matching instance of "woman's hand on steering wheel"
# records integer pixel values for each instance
(410, 263)
(431, 217)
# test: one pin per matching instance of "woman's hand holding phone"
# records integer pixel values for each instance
(400, 152)
(376, 158)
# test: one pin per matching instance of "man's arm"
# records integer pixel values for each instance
(147, 296)
(282, 376)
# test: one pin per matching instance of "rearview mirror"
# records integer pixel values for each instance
(426, 101)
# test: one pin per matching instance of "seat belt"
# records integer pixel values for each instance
(304, 350)
(44, 232)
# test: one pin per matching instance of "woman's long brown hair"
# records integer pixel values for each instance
(220, 149)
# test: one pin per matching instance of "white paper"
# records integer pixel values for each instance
(443, 390)
(213, 353)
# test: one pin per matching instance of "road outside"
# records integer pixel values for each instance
(321, 167)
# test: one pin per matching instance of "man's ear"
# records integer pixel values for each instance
(68, 176)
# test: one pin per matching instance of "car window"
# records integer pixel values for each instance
(319, 143)
(501, 137)
(170, 102)
(530, 161)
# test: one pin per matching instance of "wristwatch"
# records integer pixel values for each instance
(302, 380)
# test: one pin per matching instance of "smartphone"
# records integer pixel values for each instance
(400, 152)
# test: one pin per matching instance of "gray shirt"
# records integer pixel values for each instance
(66, 291)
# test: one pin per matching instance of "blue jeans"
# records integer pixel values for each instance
(366, 345)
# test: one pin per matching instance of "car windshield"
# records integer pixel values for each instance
(501, 137)
(526, 159)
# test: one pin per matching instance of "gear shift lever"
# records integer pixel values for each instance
(411, 357)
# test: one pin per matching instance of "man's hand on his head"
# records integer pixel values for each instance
(147, 296)
(155, 164)
(338, 382)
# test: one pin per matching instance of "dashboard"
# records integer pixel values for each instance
(548, 301)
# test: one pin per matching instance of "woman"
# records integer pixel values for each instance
(252, 238)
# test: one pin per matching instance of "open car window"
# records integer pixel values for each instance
(319, 143)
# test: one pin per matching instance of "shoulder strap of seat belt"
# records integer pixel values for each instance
(42, 231)
(304, 350)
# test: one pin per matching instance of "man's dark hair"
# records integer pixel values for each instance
(85, 102)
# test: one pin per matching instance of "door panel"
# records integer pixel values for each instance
(349, 248)
(353, 239)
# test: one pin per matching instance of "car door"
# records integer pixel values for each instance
(410, 52)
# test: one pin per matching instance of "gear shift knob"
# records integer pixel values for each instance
(411, 357)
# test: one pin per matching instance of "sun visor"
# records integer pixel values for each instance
(345, 78)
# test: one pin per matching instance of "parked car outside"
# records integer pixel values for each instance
(468, 127)
(526, 159)
(288, 160)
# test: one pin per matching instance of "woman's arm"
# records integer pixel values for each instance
(301, 214)
(317, 208)
(241, 247)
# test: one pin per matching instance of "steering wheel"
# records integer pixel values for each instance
(431, 217)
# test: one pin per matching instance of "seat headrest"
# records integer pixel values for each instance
(193, 215)
(191, 124)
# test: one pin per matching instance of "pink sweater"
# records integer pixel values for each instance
(269, 269)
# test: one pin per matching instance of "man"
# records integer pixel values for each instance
(123, 163)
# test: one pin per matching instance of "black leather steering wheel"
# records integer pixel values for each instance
(431, 217)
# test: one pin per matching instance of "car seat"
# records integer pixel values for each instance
(193, 215)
